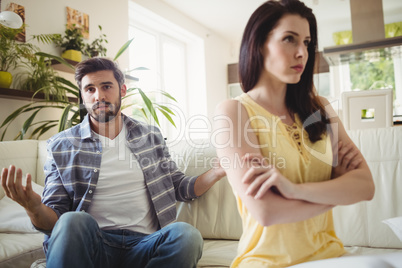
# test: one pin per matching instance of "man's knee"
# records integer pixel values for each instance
(74, 221)
(188, 237)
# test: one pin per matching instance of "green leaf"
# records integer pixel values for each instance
(12, 116)
(166, 109)
(4, 133)
(25, 109)
(168, 95)
(67, 83)
(129, 95)
(45, 129)
(75, 117)
(43, 125)
(138, 69)
(69, 90)
(149, 105)
(122, 49)
(46, 38)
(64, 118)
(167, 116)
(27, 124)
(132, 89)
(144, 113)
(19, 136)
(59, 59)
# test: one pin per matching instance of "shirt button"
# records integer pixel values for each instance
(95, 170)
(83, 210)
(90, 191)
(98, 152)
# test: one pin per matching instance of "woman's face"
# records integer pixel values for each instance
(285, 50)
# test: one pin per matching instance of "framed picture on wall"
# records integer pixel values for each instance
(79, 20)
(20, 10)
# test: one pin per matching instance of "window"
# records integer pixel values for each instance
(164, 60)
(374, 73)
(170, 56)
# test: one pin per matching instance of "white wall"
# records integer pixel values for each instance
(49, 16)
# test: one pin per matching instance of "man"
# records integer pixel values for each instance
(111, 187)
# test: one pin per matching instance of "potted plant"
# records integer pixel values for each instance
(72, 43)
(97, 47)
(39, 76)
(12, 53)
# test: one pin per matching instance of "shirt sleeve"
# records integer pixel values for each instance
(183, 185)
(55, 195)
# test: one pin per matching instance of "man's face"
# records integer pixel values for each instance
(102, 95)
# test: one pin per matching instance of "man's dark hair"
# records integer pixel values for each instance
(98, 64)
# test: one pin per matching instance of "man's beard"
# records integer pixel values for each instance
(105, 116)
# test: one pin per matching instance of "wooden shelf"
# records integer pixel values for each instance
(16, 94)
(61, 67)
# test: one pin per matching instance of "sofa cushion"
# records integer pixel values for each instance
(23, 154)
(20, 250)
(390, 260)
(214, 221)
(13, 217)
(396, 226)
(218, 253)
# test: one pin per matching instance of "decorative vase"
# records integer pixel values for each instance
(5, 79)
(73, 55)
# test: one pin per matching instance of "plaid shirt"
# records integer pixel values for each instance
(74, 159)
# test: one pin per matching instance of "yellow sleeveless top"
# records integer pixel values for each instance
(290, 150)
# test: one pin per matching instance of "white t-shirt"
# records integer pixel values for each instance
(121, 199)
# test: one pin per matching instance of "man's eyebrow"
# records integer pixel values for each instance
(107, 82)
(102, 83)
(89, 85)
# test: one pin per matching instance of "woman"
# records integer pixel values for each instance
(285, 199)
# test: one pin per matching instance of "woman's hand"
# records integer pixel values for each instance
(263, 177)
(347, 159)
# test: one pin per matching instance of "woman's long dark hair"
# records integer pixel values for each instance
(301, 98)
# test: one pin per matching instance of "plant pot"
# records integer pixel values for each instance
(5, 79)
(71, 54)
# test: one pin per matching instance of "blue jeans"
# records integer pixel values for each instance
(76, 241)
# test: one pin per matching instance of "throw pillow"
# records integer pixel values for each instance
(13, 217)
(396, 226)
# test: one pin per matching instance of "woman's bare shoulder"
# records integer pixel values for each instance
(229, 107)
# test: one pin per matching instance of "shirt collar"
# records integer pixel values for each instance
(86, 132)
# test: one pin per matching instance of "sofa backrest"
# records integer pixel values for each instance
(28, 155)
(361, 224)
(40, 174)
(23, 154)
(215, 213)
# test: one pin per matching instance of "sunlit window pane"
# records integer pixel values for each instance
(143, 53)
(173, 69)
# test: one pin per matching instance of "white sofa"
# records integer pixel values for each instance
(360, 226)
